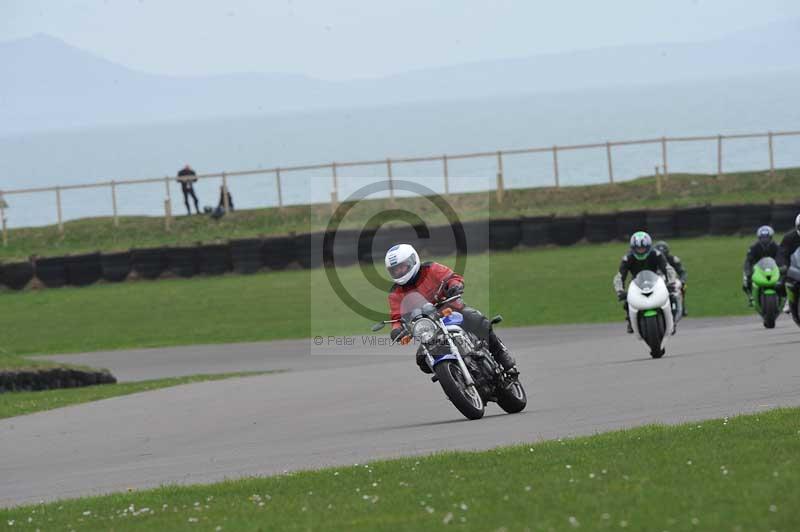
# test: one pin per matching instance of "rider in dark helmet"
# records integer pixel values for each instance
(677, 265)
(436, 281)
(641, 257)
(764, 246)
(789, 244)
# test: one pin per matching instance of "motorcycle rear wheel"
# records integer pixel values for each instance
(466, 399)
(512, 399)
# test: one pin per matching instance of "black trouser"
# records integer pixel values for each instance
(479, 325)
(188, 190)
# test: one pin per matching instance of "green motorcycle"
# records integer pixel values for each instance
(766, 299)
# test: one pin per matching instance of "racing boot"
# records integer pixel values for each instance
(502, 356)
(628, 323)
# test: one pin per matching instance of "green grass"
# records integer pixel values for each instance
(529, 287)
(87, 235)
(20, 403)
(734, 474)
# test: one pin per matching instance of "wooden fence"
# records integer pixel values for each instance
(389, 165)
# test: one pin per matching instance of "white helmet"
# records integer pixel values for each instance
(402, 263)
(797, 224)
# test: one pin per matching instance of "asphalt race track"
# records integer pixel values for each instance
(339, 406)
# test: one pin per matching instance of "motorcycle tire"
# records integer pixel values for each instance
(467, 401)
(512, 399)
(653, 334)
(769, 307)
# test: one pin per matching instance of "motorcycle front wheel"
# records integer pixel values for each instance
(770, 310)
(653, 334)
(465, 398)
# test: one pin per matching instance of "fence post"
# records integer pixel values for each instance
(610, 164)
(58, 208)
(278, 185)
(3, 218)
(114, 202)
(226, 202)
(446, 176)
(555, 166)
(168, 206)
(391, 181)
(719, 155)
(771, 155)
(664, 156)
(500, 186)
(335, 191)
(658, 182)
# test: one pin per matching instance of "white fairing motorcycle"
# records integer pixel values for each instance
(651, 310)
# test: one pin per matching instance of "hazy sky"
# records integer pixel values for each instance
(342, 39)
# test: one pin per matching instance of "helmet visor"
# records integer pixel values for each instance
(641, 250)
(402, 268)
(765, 239)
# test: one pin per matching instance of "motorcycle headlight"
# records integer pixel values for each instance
(424, 330)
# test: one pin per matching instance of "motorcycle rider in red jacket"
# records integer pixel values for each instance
(436, 281)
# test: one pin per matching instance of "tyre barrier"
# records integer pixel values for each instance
(16, 275)
(277, 253)
(504, 234)
(307, 249)
(181, 261)
(567, 230)
(386, 237)
(148, 263)
(115, 266)
(754, 216)
(441, 241)
(661, 224)
(51, 379)
(782, 216)
(476, 234)
(51, 271)
(247, 255)
(214, 259)
(535, 231)
(724, 219)
(628, 222)
(83, 270)
(600, 227)
(693, 221)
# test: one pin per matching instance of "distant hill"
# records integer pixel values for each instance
(49, 84)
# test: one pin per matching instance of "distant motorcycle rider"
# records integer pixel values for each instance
(677, 265)
(642, 256)
(436, 281)
(764, 246)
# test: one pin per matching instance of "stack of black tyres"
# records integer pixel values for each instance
(754, 216)
(725, 219)
(214, 259)
(115, 266)
(661, 224)
(181, 261)
(441, 241)
(307, 250)
(692, 222)
(476, 235)
(600, 227)
(16, 275)
(628, 222)
(51, 271)
(783, 215)
(247, 255)
(148, 263)
(84, 270)
(504, 234)
(278, 252)
(567, 230)
(535, 231)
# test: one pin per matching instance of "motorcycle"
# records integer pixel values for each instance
(793, 285)
(768, 303)
(460, 361)
(651, 311)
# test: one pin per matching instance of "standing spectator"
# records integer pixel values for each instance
(185, 176)
(222, 193)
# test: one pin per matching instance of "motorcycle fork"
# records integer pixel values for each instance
(457, 353)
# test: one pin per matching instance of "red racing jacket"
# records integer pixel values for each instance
(428, 282)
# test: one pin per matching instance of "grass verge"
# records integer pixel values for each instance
(20, 403)
(680, 190)
(529, 287)
(733, 474)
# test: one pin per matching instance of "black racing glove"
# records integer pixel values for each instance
(455, 290)
(622, 295)
(396, 333)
